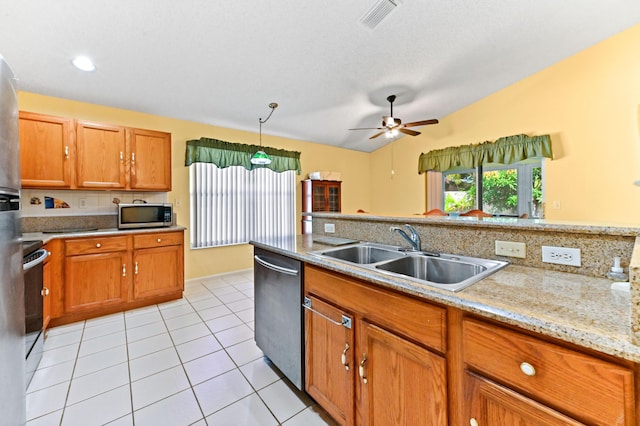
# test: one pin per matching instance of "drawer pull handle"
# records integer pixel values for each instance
(121, 157)
(159, 240)
(343, 357)
(135, 268)
(361, 372)
(124, 270)
(45, 291)
(98, 245)
(133, 158)
(66, 152)
(473, 422)
(528, 369)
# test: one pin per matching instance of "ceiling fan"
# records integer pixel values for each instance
(391, 125)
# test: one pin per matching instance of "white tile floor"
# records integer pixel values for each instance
(188, 362)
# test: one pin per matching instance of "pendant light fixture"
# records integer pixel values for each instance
(261, 157)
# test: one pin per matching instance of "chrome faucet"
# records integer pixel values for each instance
(413, 239)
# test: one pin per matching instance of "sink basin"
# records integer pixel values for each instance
(443, 271)
(363, 254)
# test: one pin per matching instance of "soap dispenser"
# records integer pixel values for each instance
(616, 273)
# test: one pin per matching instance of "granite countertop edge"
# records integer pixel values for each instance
(607, 329)
(46, 237)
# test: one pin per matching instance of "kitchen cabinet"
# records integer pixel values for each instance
(74, 154)
(99, 275)
(47, 145)
(526, 380)
(397, 353)
(150, 160)
(101, 152)
(319, 196)
(157, 264)
(96, 273)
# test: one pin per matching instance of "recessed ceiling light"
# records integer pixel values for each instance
(83, 63)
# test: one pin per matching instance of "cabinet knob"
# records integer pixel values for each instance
(159, 240)
(528, 369)
(98, 245)
(124, 270)
(133, 158)
(121, 157)
(473, 422)
(45, 291)
(135, 268)
(66, 152)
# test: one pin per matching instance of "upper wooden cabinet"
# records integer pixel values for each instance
(150, 160)
(47, 145)
(101, 152)
(321, 195)
(62, 153)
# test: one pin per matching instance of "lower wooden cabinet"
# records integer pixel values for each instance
(46, 291)
(94, 281)
(157, 265)
(404, 361)
(101, 275)
(369, 373)
(488, 403)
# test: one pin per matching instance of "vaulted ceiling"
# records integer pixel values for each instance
(222, 63)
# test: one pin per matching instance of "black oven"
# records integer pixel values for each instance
(32, 264)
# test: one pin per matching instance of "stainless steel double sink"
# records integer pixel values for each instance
(446, 271)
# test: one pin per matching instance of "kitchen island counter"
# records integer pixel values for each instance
(578, 309)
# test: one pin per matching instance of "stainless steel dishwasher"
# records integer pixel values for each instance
(279, 329)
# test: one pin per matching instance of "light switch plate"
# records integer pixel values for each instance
(511, 249)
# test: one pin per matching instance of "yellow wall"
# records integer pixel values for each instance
(589, 103)
(353, 165)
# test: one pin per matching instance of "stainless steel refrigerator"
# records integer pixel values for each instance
(12, 319)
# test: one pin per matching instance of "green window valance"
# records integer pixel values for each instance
(225, 154)
(506, 150)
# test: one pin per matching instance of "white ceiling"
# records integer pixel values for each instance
(222, 63)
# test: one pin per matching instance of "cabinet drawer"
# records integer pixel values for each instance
(95, 245)
(585, 387)
(160, 239)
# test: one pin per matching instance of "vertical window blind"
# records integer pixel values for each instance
(233, 205)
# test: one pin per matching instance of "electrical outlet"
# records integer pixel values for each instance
(511, 249)
(561, 255)
(82, 203)
(329, 228)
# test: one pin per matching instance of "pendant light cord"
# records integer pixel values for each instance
(273, 107)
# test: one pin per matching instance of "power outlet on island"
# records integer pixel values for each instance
(329, 228)
(511, 249)
(561, 255)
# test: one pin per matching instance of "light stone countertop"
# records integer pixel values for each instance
(46, 237)
(574, 308)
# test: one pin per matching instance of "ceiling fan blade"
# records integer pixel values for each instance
(408, 132)
(377, 134)
(421, 123)
(368, 128)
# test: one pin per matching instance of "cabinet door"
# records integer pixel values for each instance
(46, 151)
(95, 280)
(400, 383)
(150, 160)
(319, 198)
(333, 197)
(490, 404)
(329, 349)
(101, 156)
(157, 271)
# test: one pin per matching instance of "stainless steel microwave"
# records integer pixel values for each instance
(131, 216)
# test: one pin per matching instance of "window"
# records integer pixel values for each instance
(234, 205)
(512, 190)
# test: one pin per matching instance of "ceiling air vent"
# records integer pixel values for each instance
(380, 10)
